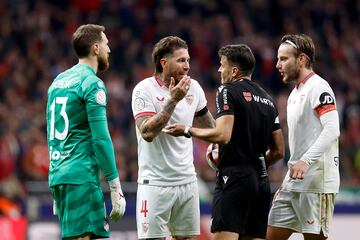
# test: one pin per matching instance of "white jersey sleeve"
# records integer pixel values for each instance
(323, 102)
(322, 98)
(141, 101)
(202, 99)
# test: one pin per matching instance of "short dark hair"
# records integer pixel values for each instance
(84, 37)
(166, 47)
(239, 55)
(302, 44)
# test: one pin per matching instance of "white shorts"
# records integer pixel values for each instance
(160, 209)
(302, 212)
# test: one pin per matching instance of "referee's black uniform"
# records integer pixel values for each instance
(242, 194)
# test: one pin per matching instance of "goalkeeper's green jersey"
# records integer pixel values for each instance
(79, 142)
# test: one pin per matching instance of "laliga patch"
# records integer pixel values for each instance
(100, 84)
(139, 104)
(100, 97)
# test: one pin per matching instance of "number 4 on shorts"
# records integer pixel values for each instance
(144, 207)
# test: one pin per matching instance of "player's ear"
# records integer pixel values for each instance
(302, 58)
(235, 71)
(95, 48)
(163, 62)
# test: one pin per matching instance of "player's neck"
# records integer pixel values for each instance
(304, 75)
(93, 63)
(163, 80)
(240, 78)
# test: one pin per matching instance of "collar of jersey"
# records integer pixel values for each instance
(159, 81)
(305, 79)
(87, 66)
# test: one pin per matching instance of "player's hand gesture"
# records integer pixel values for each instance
(175, 129)
(299, 170)
(179, 91)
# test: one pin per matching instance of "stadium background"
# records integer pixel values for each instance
(35, 45)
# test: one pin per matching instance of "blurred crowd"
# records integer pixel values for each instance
(35, 45)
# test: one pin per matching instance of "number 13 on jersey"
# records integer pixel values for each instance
(54, 133)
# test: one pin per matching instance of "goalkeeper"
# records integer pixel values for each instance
(79, 142)
(248, 131)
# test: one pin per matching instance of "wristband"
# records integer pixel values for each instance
(187, 134)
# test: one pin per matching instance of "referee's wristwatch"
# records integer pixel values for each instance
(187, 134)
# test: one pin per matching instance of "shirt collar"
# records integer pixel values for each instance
(305, 79)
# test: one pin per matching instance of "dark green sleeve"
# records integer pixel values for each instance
(103, 148)
(95, 97)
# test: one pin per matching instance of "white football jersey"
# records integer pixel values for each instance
(167, 160)
(306, 104)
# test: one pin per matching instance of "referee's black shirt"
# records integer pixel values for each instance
(255, 118)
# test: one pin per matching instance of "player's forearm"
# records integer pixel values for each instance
(105, 154)
(205, 121)
(276, 148)
(330, 133)
(213, 135)
(152, 126)
(272, 156)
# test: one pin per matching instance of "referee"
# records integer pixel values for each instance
(250, 139)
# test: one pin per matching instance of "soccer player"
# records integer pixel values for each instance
(250, 138)
(305, 201)
(79, 142)
(167, 195)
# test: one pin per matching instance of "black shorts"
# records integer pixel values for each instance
(241, 202)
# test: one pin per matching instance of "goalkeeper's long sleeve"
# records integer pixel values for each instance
(103, 149)
(95, 97)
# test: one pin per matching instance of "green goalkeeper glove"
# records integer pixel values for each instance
(117, 200)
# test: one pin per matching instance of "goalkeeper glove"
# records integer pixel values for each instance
(117, 200)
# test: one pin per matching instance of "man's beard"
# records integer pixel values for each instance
(167, 77)
(293, 75)
(103, 63)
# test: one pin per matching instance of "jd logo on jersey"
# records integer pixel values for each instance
(326, 99)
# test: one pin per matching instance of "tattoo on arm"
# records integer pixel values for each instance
(205, 121)
(151, 126)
